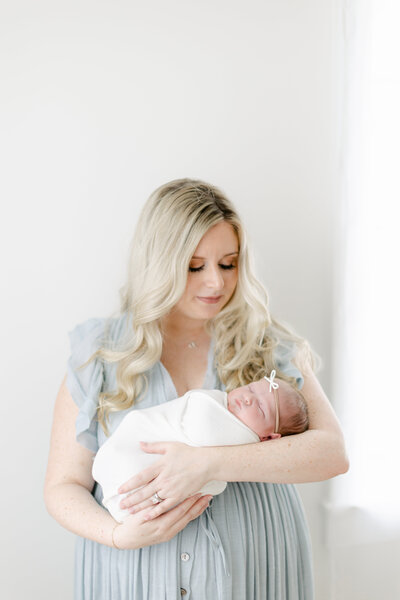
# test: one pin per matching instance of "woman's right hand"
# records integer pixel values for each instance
(137, 532)
(69, 484)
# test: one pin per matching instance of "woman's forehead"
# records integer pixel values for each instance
(222, 238)
(225, 255)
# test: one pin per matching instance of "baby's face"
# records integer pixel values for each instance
(255, 406)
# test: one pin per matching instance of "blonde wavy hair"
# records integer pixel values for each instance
(170, 227)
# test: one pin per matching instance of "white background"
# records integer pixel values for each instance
(101, 103)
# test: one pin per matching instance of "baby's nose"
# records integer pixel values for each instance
(248, 399)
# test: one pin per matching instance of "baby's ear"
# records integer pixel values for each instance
(271, 436)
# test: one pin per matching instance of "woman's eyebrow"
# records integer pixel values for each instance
(225, 255)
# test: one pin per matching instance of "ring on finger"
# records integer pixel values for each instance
(156, 498)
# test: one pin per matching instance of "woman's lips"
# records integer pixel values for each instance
(209, 299)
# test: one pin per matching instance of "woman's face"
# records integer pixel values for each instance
(213, 274)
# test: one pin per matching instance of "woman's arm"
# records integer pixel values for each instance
(314, 455)
(69, 484)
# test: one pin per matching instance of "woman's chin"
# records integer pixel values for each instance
(205, 311)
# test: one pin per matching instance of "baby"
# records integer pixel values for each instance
(260, 411)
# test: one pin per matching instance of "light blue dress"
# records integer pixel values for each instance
(252, 543)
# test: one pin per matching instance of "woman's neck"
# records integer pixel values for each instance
(179, 327)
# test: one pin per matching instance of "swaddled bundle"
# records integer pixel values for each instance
(199, 418)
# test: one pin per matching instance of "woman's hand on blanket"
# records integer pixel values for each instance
(136, 532)
(180, 472)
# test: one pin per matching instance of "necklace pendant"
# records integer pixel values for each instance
(192, 345)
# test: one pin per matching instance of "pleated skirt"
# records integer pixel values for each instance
(252, 543)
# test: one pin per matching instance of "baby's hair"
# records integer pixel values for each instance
(295, 417)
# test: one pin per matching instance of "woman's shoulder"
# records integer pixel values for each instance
(100, 331)
(87, 378)
(285, 353)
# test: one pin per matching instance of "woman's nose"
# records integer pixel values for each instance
(214, 278)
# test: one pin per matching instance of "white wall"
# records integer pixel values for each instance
(103, 101)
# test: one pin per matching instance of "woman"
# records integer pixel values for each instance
(193, 315)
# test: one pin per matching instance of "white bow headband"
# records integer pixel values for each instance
(272, 383)
(274, 386)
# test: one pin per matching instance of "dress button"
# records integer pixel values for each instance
(183, 592)
(185, 556)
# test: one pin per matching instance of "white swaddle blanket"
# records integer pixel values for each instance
(199, 418)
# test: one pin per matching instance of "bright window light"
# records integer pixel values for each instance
(368, 347)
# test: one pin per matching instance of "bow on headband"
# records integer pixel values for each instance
(270, 379)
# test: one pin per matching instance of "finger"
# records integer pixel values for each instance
(151, 511)
(187, 511)
(198, 507)
(148, 503)
(138, 497)
(139, 480)
(163, 506)
(153, 447)
(192, 504)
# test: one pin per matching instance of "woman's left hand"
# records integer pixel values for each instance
(180, 472)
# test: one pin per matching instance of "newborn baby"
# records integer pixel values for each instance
(260, 411)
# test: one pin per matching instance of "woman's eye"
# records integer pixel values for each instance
(224, 267)
(196, 269)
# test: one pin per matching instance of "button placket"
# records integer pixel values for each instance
(186, 557)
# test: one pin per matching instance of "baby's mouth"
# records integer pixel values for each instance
(238, 403)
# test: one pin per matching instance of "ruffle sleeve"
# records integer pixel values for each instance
(284, 354)
(86, 384)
